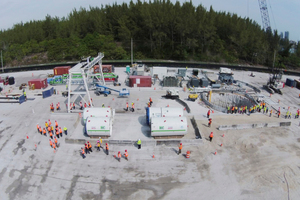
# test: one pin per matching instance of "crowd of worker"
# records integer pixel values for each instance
(87, 149)
(53, 134)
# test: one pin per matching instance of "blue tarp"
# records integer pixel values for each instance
(22, 99)
(48, 93)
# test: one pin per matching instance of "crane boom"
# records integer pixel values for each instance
(264, 14)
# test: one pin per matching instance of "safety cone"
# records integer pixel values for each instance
(113, 98)
(221, 145)
(154, 88)
(184, 108)
(223, 135)
(137, 99)
(153, 156)
(27, 137)
(216, 152)
(168, 105)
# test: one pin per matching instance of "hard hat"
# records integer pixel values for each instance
(49, 139)
(180, 143)
(119, 152)
(106, 143)
(88, 142)
(125, 150)
(85, 143)
(98, 141)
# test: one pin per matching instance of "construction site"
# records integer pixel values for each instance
(253, 154)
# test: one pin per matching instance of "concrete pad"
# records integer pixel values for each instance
(251, 164)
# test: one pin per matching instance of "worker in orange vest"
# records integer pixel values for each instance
(49, 122)
(209, 122)
(107, 149)
(44, 131)
(211, 136)
(60, 132)
(126, 106)
(180, 148)
(208, 113)
(50, 142)
(54, 147)
(89, 104)
(56, 124)
(49, 129)
(40, 130)
(82, 152)
(86, 148)
(57, 134)
(51, 135)
(150, 100)
(85, 105)
(90, 146)
(119, 156)
(73, 105)
(126, 155)
(278, 114)
(80, 106)
(37, 127)
(149, 105)
(55, 140)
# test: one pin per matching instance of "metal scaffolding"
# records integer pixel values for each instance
(83, 69)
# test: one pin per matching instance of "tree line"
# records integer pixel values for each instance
(160, 29)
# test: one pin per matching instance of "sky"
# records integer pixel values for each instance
(284, 14)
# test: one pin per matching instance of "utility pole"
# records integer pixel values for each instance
(131, 52)
(2, 62)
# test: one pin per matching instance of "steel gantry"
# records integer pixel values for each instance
(79, 76)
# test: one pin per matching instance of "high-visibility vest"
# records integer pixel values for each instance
(49, 128)
(101, 141)
(139, 142)
(98, 144)
(46, 124)
(82, 151)
(107, 147)
(119, 155)
(89, 144)
(126, 154)
(180, 146)
(55, 140)
(132, 105)
(50, 143)
(57, 133)
(211, 135)
(60, 130)
(126, 105)
(54, 146)
(44, 131)
(37, 126)
(50, 134)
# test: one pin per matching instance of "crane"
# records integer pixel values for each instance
(264, 14)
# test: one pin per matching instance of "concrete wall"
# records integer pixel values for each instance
(259, 125)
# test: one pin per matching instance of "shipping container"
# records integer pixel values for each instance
(168, 126)
(61, 70)
(140, 81)
(105, 69)
(98, 126)
(38, 83)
